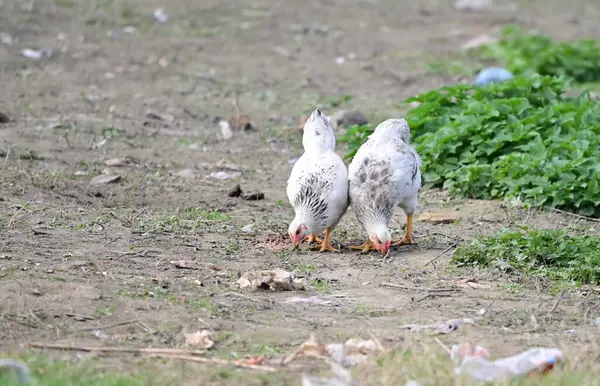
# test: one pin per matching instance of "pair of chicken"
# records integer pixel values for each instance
(384, 173)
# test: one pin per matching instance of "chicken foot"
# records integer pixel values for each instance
(407, 239)
(326, 244)
(312, 238)
(366, 247)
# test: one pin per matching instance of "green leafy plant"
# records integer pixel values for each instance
(546, 253)
(517, 138)
(523, 51)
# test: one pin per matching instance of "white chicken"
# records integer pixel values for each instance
(385, 173)
(318, 185)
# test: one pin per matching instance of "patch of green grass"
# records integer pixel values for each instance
(429, 365)
(545, 253)
(512, 288)
(523, 51)
(320, 285)
(30, 155)
(49, 372)
(520, 138)
(181, 220)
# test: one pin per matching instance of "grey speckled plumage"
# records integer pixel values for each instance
(384, 173)
(318, 184)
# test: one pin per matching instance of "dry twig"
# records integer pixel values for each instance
(576, 215)
(442, 253)
(108, 326)
(409, 288)
(238, 363)
(143, 350)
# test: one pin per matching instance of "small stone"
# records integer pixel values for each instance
(248, 228)
(254, 196)
(235, 192)
(4, 118)
(347, 119)
(185, 173)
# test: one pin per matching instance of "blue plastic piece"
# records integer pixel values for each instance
(492, 74)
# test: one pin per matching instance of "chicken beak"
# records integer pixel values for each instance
(385, 249)
(295, 240)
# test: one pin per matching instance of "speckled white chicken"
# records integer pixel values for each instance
(318, 185)
(384, 173)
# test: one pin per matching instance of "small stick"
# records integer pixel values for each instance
(377, 342)
(557, 301)
(236, 104)
(576, 215)
(237, 363)
(124, 222)
(441, 253)
(408, 288)
(243, 296)
(144, 327)
(15, 215)
(137, 215)
(145, 350)
(6, 158)
(108, 326)
(112, 241)
(443, 345)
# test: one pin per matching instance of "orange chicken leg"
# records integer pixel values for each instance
(407, 239)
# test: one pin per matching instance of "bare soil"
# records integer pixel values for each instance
(75, 255)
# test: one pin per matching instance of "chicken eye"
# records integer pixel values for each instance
(298, 231)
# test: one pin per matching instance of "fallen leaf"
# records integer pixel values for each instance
(438, 218)
(275, 280)
(250, 361)
(200, 339)
(116, 162)
(478, 41)
(471, 283)
(244, 122)
(104, 179)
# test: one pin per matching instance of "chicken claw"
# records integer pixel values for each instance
(325, 244)
(366, 247)
(312, 238)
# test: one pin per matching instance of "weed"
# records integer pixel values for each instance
(30, 155)
(545, 253)
(519, 138)
(183, 219)
(525, 51)
(320, 285)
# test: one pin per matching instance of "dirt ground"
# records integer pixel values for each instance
(75, 255)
